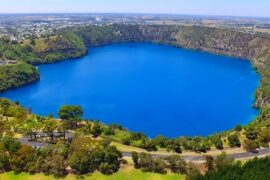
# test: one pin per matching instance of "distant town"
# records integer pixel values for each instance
(19, 27)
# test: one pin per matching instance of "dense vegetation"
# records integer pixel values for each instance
(84, 154)
(13, 76)
(58, 47)
(16, 57)
(256, 169)
(221, 167)
(84, 147)
(147, 163)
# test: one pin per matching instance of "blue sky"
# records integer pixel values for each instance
(257, 8)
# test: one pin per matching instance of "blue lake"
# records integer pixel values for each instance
(148, 88)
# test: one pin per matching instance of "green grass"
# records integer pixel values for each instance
(136, 175)
(124, 148)
(121, 175)
(24, 176)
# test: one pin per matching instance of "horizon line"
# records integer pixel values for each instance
(134, 13)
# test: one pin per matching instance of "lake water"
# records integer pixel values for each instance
(148, 88)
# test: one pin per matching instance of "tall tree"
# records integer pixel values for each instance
(50, 126)
(72, 114)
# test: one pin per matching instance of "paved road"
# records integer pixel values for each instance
(24, 140)
(199, 158)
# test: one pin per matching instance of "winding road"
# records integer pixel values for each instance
(190, 158)
(200, 158)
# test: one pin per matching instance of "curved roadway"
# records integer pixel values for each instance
(190, 158)
(200, 158)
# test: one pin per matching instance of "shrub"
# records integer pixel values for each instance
(176, 164)
(234, 140)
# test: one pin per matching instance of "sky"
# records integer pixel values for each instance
(255, 8)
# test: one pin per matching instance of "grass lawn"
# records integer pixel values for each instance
(24, 176)
(124, 148)
(125, 174)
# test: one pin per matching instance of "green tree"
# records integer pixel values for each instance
(72, 114)
(135, 158)
(234, 140)
(145, 162)
(162, 141)
(110, 130)
(251, 145)
(126, 140)
(24, 160)
(175, 145)
(50, 126)
(255, 169)
(176, 164)
(223, 160)
(11, 145)
(251, 133)
(31, 128)
(217, 141)
(159, 166)
(264, 137)
(148, 164)
(149, 145)
(58, 165)
(4, 159)
(80, 160)
(96, 129)
(238, 128)
(108, 157)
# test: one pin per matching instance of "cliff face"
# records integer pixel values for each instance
(221, 41)
(215, 40)
(262, 62)
(57, 48)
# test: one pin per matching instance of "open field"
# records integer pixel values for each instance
(127, 173)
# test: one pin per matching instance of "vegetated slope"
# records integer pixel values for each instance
(34, 51)
(215, 40)
(256, 169)
(12, 76)
(59, 47)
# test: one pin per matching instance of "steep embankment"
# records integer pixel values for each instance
(214, 40)
(58, 47)
(35, 51)
(13, 76)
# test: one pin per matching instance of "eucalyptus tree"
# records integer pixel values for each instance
(72, 114)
